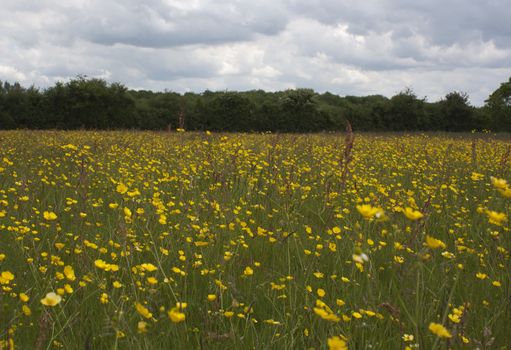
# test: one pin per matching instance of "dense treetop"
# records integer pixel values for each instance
(96, 104)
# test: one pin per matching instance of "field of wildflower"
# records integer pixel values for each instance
(132, 240)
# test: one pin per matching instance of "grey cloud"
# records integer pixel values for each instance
(160, 24)
(440, 22)
(154, 23)
(350, 48)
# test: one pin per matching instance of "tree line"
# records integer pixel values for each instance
(90, 103)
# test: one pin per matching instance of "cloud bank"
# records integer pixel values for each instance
(371, 47)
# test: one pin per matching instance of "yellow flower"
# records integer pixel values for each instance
(272, 322)
(496, 218)
(23, 297)
(26, 310)
(318, 275)
(499, 184)
(336, 343)
(6, 277)
(324, 311)
(408, 337)
(49, 215)
(70, 146)
(399, 259)
(434, 243)
(148, 267)
(100, 264)
(356, 315)
(175, 314)
(142, 327)
(143, 311)
(326, 315)
(103, 298)
(152, 280)
(248, 271)
(121, 188)
(476, 176)
(69, 273)
(211, 297)
(439, 330)
(340, 302)
(481, 275)
(120, 334)
(68, 288)
(127, 212)
(412, 214)
(134, 193)
(454, 318)
(360, 257)
(368, 211)
(51, 299)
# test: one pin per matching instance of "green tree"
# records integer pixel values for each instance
(229, 111)
(456, 112)
(405, 112)
(91, 104)
(56, 107)
(299, 112)
(6, 121)
(499, 106)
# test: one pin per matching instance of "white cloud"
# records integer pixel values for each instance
(370, 47)
(11, 73)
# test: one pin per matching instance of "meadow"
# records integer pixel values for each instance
(188, 240)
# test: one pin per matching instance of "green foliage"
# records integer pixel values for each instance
(85, 103)
(228, 111)
(499, 106)
(405, 111)
(458, 114)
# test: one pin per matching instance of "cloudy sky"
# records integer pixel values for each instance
(346, 47)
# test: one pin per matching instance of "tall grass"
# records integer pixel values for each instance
(250, 231)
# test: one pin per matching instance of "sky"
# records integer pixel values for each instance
(345, 47)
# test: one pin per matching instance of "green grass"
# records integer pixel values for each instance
(233, 201)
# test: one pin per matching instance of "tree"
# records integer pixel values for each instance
(96, 104)
(57, 109)
(499, 105)
(457, 113)
(91, 103)
(229, 111)
(406, 112)
(6, 121)
(299, 112)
